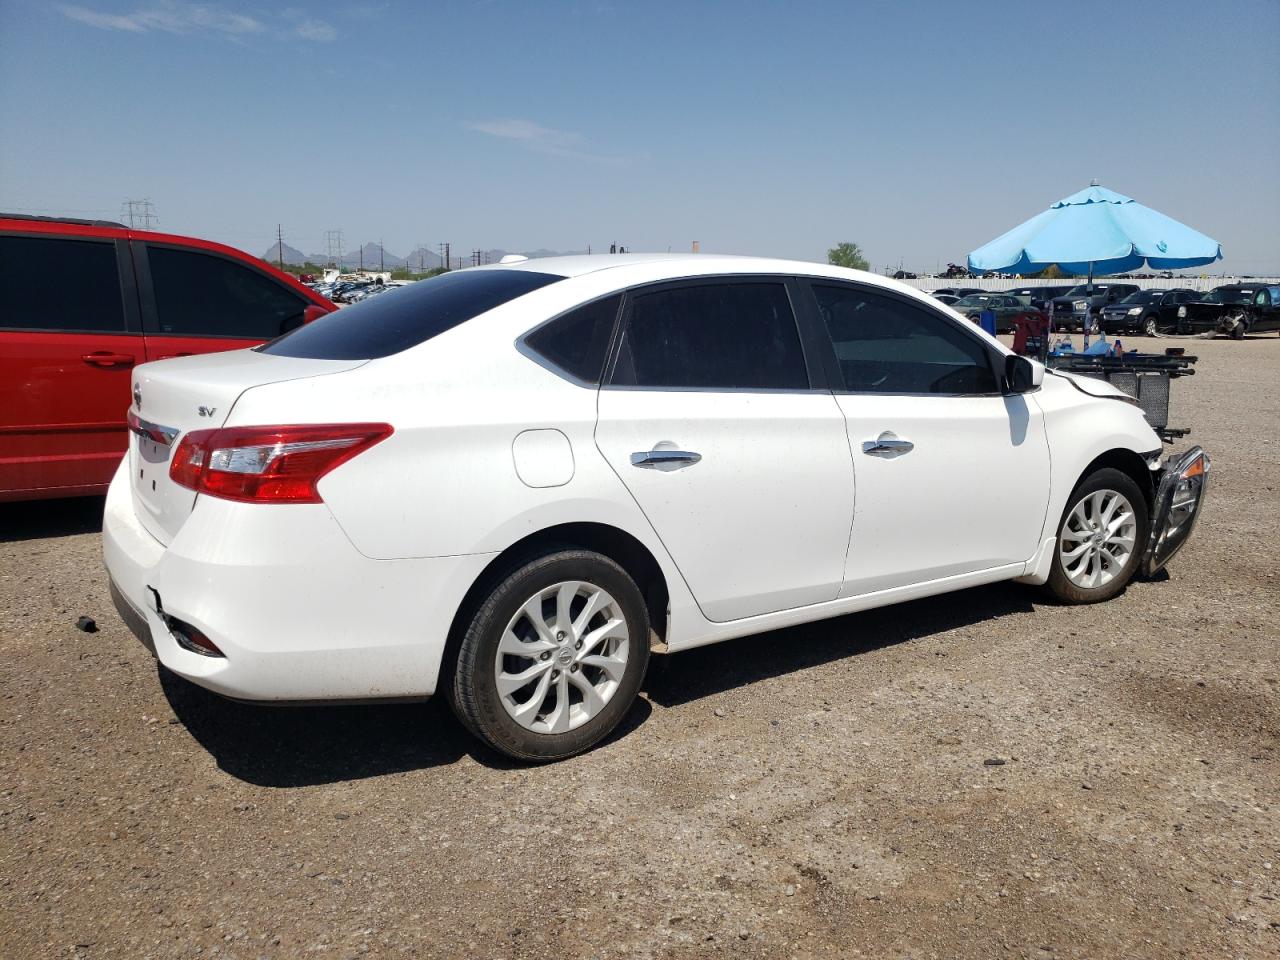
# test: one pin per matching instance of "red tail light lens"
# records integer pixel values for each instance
(269, 464)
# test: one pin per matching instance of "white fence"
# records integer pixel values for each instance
(929, 284)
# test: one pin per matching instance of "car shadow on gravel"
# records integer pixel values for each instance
(699, 673)
(38, 519)
(310, 745)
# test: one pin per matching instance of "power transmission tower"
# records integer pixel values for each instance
(139, 213)
(421, 255)
(333, 247)
(279, 247)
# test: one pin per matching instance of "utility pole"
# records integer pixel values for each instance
(362, 258)
(448, 257)
(279, 247)
(381, 257)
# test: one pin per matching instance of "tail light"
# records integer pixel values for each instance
(279, 464)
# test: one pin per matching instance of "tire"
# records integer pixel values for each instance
(1076, 555)
(564, 720)
(1149, 326)
(1238, 331)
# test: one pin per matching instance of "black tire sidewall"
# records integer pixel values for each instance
(474, 691)
(1107, 478)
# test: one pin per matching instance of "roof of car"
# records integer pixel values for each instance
(72, 220)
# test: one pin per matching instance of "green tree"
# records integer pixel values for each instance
(848, 255)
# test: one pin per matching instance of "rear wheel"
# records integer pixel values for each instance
(1149, 327)
(553, 658)
(1101, 537)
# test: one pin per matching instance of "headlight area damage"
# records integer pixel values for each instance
(1179, 495)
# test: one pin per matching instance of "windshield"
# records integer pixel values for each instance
(1144, 296)
(973, 300)
(1229, 295)
(404, 318)
(1083, 290)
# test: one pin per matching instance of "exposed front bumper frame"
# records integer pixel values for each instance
(1179, 497)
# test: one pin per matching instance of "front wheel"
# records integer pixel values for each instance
(553, 658)
(1101, 537)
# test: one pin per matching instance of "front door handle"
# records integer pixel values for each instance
(103, 358)
(888, 444)
(665, 458)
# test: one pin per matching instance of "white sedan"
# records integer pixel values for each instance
(510, 483)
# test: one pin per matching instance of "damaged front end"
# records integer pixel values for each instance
(1179, 495)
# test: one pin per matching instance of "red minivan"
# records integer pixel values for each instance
(82, 302)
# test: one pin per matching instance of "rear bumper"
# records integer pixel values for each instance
(298, 612)
(1178, 501)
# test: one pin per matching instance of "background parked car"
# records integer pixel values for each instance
(82, 302)
(957, 291)
(1234, 309)
(1077, 308)
(1149, 311)
(1006, 308)
(946, 298)
(1038, 297)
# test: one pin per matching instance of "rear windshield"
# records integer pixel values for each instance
(403, 318)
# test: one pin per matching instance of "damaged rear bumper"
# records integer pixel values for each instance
(1179, 496)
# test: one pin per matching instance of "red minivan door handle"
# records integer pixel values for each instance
(103, 358)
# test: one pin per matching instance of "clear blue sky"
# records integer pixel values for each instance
(920, 130)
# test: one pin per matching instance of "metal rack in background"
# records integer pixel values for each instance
(1145, 377)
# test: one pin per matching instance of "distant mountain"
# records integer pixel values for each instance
(288, 255)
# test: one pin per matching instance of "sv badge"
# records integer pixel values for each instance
(206, 411)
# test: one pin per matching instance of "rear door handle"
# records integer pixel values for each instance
(103, 358)
(664, 458)
(887, 444)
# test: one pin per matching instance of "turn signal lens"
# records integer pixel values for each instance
(269, 464)
(1195, 470)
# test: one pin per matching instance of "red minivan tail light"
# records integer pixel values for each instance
(280, 464)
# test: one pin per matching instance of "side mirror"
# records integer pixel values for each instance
(1022, 375)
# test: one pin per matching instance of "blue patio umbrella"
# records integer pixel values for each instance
(1096, 231)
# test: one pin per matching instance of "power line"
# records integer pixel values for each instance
(139, 213)
(333, 247)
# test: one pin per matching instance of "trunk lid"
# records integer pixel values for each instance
(173, 397)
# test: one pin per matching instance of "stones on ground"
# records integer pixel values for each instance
(790, 890)
(994, 762)
(718, 711)
(87, 625)
(341, 816)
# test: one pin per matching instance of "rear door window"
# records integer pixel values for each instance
(710, 336)
(60, 285)
(205, 295)
(884, 344)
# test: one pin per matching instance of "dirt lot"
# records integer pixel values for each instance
(816, 792)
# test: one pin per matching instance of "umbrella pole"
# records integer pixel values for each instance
(1088, 293)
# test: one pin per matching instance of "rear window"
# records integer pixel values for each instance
(66, 285)
(404, 318)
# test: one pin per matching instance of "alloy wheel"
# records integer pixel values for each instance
(1098, 539)
(562, 656)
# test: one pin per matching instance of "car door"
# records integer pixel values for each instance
(738, 459)
(202, 301)
(68, 341)
(951, 475)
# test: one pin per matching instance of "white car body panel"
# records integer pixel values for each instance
(761, 522)
(969, 496)
(783, 521)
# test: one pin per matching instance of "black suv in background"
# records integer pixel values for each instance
(1149, 311)
(1038, 297)
(1077, 308)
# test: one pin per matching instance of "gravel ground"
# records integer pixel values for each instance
(980, 775)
